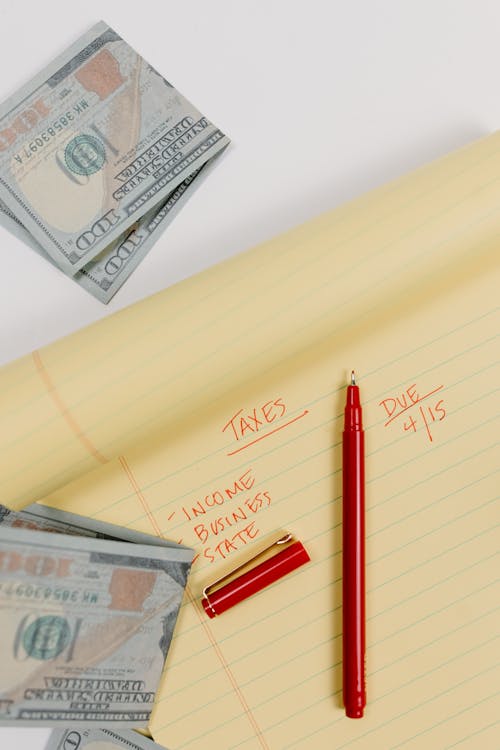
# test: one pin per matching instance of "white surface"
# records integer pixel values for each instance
(322, 99)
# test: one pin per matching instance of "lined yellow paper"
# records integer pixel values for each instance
(212, 414)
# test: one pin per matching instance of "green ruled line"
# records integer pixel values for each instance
(253, 328)
(404, 628)
(249, 299)
(327, 450)
(366, 229)
(291, 358)
(328, 614)
(331, 502)
(342, 718)
(307, 513)
(309, 405)
(328, 668)
(408, 711)
(186, 632)
(448, 718)
(473, 734)
(399, 630)
(329, 531)
(404, 601)
(405, 684)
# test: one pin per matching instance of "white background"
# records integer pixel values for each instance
(323, 99)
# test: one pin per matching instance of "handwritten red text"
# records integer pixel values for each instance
(242, 423)
(408, 404)
(214, 527)
(220, 496)
(231, 544)
(217, 517)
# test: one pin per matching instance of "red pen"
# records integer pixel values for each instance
(353, 555)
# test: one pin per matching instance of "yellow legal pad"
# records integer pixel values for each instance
(212, 414)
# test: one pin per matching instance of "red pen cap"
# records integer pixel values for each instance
(233, 588)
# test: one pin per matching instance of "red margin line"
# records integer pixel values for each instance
(64, 410)
(246, 708)
(128, 471)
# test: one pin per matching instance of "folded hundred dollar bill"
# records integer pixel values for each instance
(99, 739)
(87, 612)
(97, 153)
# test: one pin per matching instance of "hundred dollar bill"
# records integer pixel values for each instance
(86, 619)
(93, 143)
(41, 517)
(104, 275)
(99, 739)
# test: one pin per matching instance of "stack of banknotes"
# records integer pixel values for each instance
(87, 612)
(97, 154)
(99, 739)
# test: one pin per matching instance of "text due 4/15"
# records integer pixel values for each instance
(414, 409)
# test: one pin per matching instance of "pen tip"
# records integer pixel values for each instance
(353, 378)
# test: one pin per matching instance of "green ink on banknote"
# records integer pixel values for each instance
(46, 637)
(85, 155)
